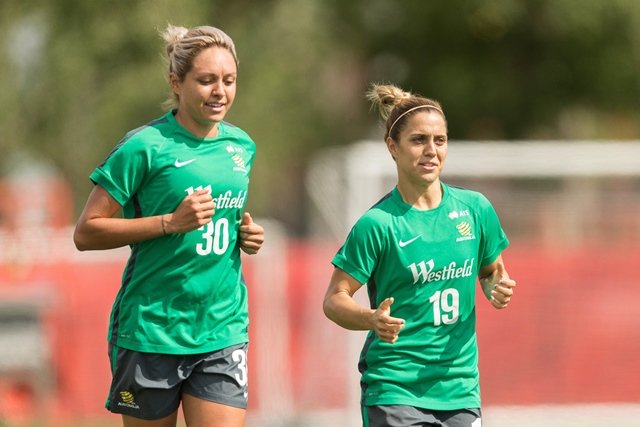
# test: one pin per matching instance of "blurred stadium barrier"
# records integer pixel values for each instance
(564, 354)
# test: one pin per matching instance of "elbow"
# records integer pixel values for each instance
(327, 308)
(80, 241)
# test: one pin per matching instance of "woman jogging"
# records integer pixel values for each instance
(178, 326)
(419, 251)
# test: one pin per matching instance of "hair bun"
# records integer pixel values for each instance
(386, 96)
(172, 35)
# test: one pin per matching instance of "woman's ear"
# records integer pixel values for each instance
(392, 147)
(174, 82)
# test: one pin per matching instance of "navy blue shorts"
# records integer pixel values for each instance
(150, 385)
(410, 416)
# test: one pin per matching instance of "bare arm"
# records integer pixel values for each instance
(98, 229)
(340, 307)
(496, 284)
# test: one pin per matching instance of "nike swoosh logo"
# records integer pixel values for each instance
(180, 164)
(402, 243)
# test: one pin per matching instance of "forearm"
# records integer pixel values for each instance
(489, 276)
(342, 309)
(110, 233)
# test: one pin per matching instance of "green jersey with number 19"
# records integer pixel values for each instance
(428, 262)
(181, 293)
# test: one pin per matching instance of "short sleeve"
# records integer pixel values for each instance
(361, 251)
(494, 240)
(124, 170)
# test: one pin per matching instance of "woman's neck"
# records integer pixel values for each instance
(197, 129)
(421, 197)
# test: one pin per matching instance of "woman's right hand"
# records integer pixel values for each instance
(387, 328)
(193, 212)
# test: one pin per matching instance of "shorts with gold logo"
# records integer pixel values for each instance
(150, 385)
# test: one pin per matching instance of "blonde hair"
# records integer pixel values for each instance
(183, 45)
(396, 105)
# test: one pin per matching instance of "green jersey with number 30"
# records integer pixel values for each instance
(428, 261)
(181, 293)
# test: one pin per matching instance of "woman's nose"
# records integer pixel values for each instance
(429, 146)
(216, 88)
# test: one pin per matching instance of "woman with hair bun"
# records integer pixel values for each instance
(178, 327)
(419, 250)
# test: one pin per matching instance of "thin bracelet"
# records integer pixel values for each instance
(164, 230)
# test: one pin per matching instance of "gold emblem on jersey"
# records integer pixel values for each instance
(466, 231)
(464, 228)
(240, 164)
(239, 161)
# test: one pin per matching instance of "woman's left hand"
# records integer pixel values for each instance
(251, 235)
(502, 289)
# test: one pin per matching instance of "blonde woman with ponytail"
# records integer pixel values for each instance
(178, 327)
(420, 251)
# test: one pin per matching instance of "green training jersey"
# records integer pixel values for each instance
(428, 261)
(181, 293)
